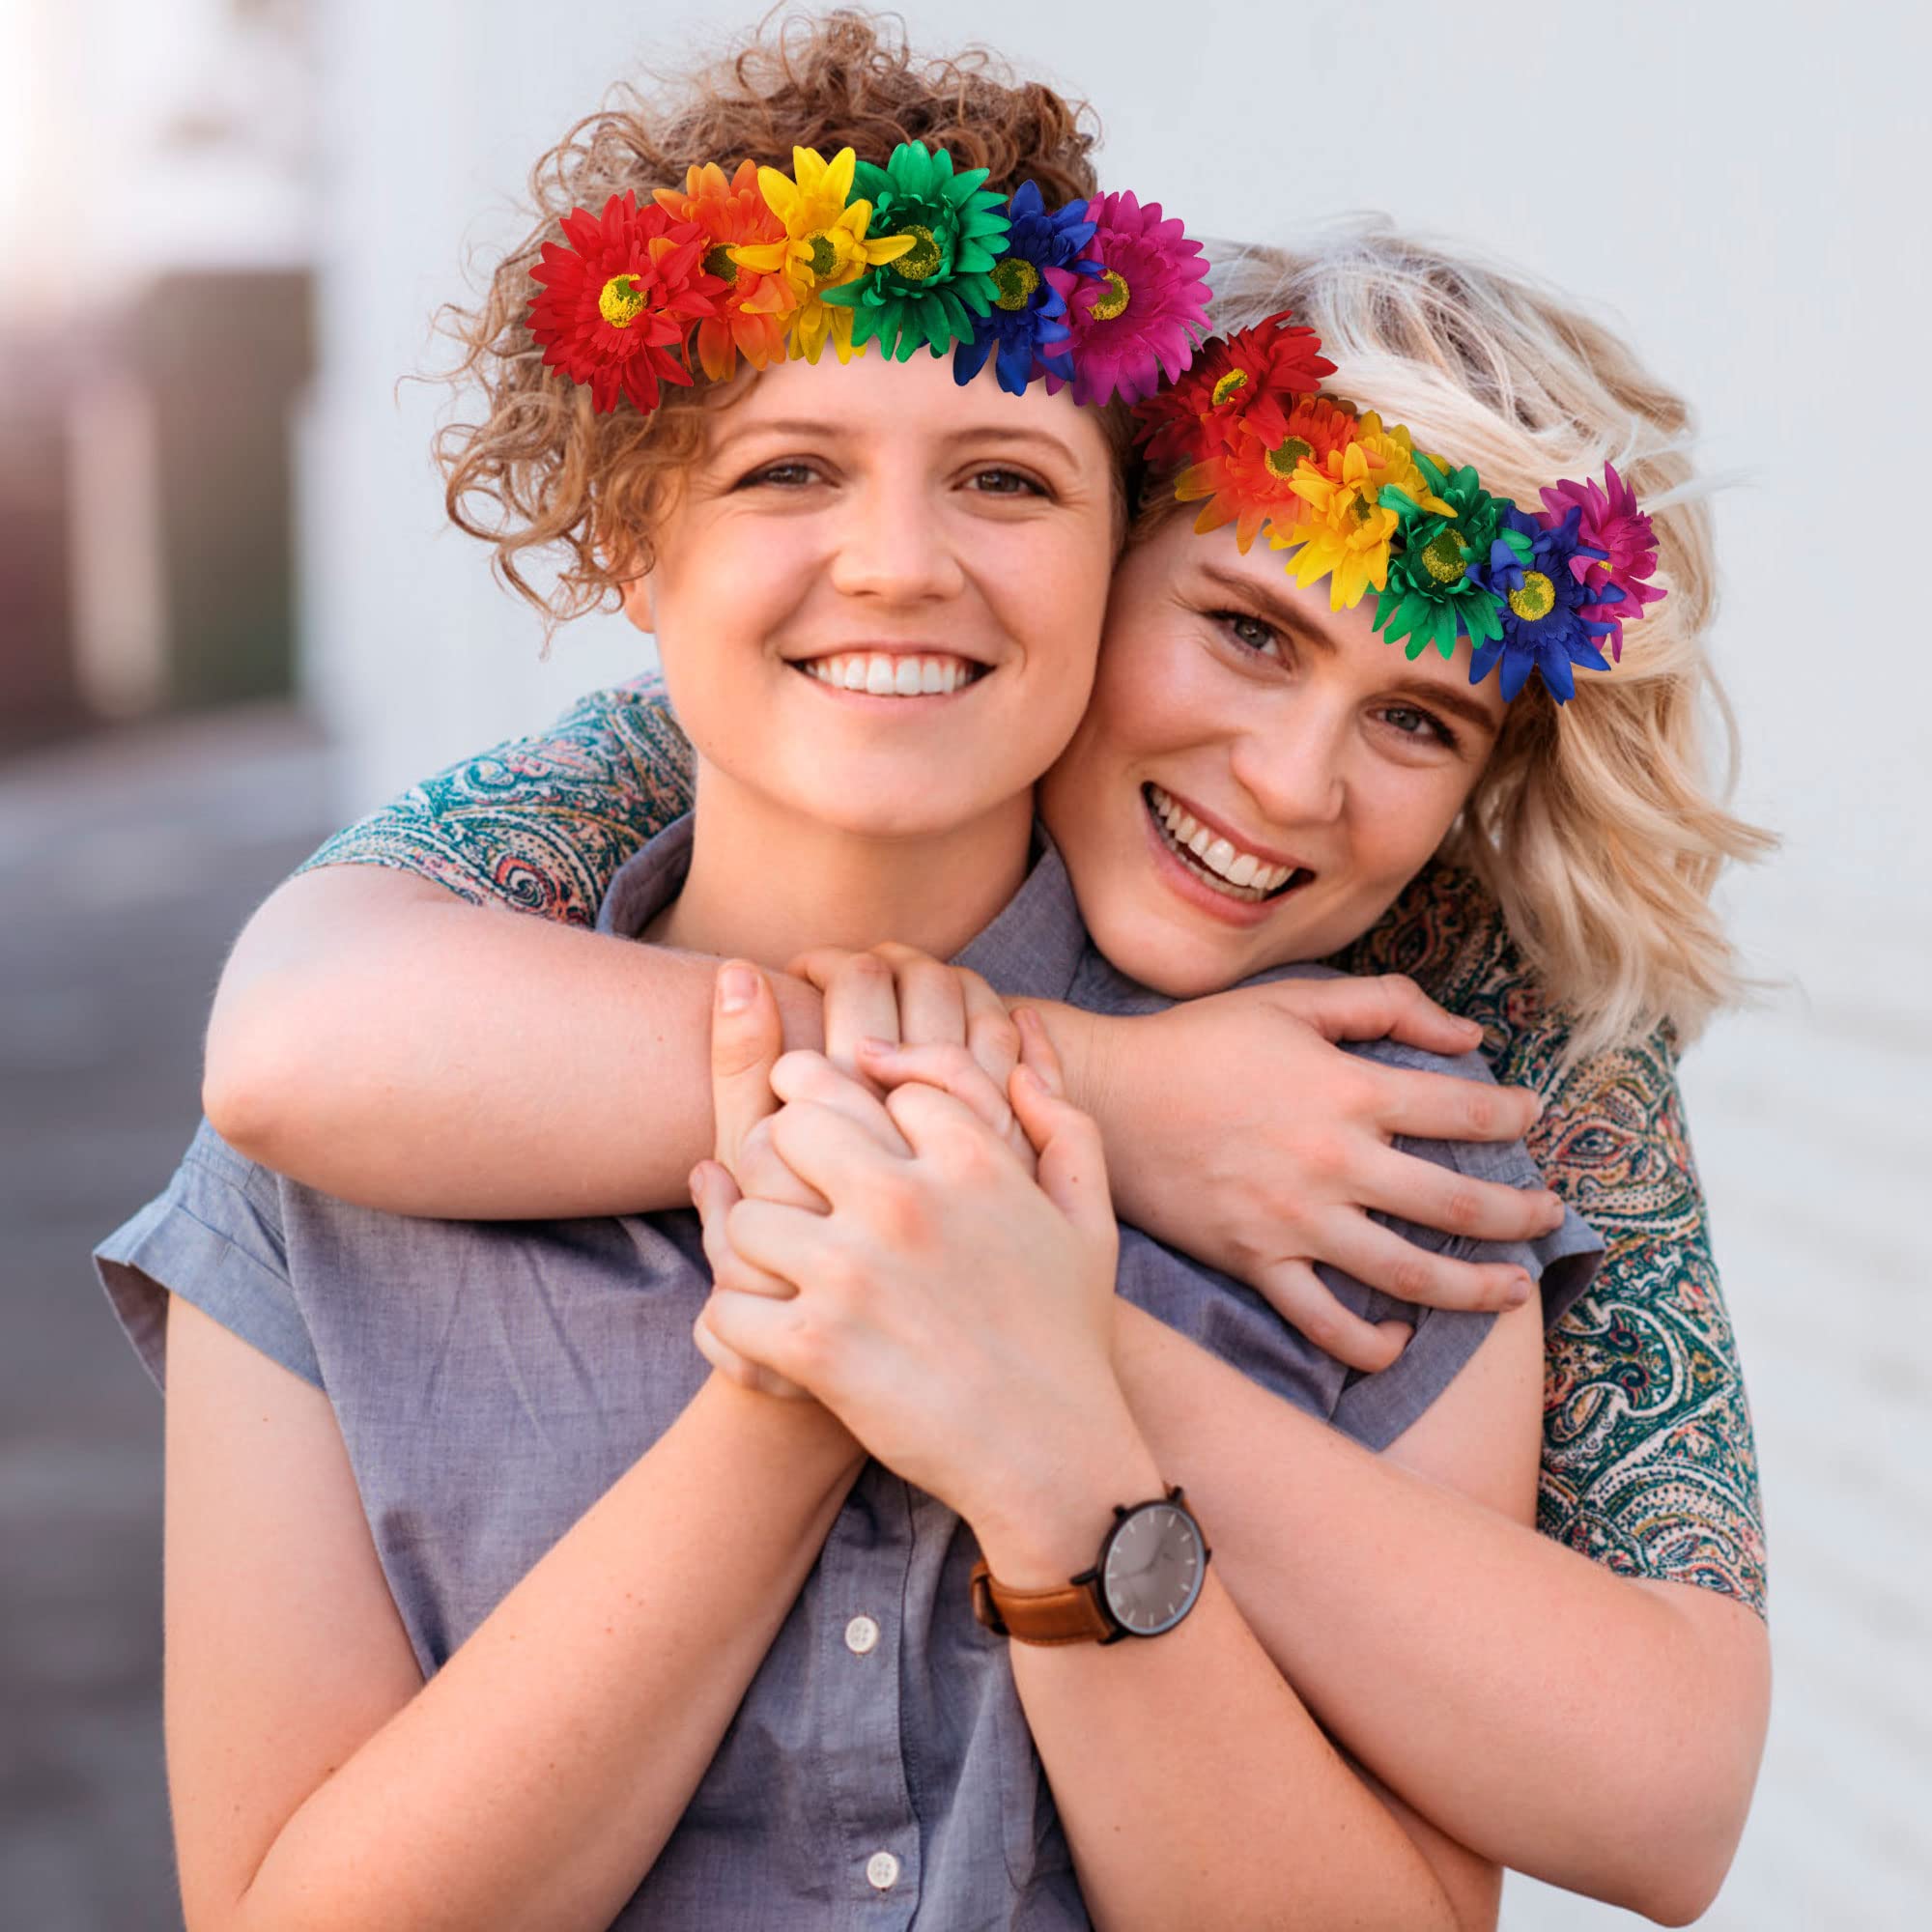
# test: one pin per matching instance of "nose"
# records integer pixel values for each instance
(893, 544)
(1290, 760)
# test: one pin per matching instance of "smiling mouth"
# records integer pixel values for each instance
(903, 674)
(1215, 860)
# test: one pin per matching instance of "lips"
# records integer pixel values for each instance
(1215, 858)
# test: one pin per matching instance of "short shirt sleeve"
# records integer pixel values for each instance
(540, 824)
(214, 1236)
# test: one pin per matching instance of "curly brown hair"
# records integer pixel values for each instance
(552, 471)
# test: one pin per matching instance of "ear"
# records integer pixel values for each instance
(640, 605)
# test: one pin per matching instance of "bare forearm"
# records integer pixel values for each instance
(359, 1043)
(1174, 1759)
(534, 1779)
(1598, 1733)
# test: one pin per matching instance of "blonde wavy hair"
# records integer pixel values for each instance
(1598, 825)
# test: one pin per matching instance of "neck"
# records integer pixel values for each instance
(767, 885)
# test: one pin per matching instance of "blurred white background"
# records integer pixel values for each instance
(1740, 187)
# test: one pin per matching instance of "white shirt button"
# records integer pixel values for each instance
(882, 1869)
(862, 1635)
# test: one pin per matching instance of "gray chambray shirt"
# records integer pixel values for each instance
(491, 1380)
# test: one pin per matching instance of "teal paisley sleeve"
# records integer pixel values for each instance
(1649, 1462)
(540, 823)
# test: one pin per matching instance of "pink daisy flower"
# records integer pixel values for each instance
(1610, 521)
(1146, 310)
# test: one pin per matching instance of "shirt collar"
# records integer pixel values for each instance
(1031, 949)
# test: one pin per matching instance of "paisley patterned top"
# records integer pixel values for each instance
(1649, 1463)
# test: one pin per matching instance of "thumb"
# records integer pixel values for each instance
(1073, 1168)
(746, 1038)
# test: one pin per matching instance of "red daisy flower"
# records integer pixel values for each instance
(621, 298)
(1248, 479)
(1251, 378)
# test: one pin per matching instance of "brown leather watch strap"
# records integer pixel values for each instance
(1068, 1614)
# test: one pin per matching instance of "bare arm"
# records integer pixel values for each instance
(1596, 1732)
(317, 1782)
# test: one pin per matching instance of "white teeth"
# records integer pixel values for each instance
(1251, 877)
(885, 676)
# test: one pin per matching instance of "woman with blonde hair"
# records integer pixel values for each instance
(1500, 1707)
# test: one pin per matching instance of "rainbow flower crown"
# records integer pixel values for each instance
(1108, 298)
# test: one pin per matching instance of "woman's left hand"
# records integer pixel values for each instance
(955, 1312)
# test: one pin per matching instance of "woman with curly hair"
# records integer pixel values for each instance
(1501, 1713)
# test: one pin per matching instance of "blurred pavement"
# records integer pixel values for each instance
(127, 864)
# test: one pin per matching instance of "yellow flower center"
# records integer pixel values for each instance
(1442, 557)
(824, 258)
(1016, 279)
(1282, 460)
(621, 301)
(1536, 599)
(1229, 384)
(921, 258)
(1115, 302)
(719, 263)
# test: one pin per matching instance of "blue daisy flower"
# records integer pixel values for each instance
(1543, 627)
(1026, 322)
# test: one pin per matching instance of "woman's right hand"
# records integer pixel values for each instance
(1238, 1131)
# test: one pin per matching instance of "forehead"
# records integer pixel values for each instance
(875, 400)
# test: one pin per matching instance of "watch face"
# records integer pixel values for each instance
(1153, 1568)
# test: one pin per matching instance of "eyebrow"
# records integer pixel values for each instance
(1282, 611)
(805, 426)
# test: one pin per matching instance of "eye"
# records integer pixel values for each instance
(792, 476)
(1414, 723)
(1251, 633)
(1006, 483)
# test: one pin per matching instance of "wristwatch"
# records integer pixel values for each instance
(1147, 1577)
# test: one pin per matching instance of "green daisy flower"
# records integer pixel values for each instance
(931, 293)
(1430, 597)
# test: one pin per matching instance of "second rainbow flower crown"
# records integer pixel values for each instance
(1110, 299)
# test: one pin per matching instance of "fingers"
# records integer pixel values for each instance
(716, 1194)
(1302, 1300)
(931, 997)
(802, 1075)
(761, 1334)
(1389, 1006)
(953, 1070)
(712, 1189)
(991, 1036)
(861, 1002)
(1072, 1169)
(1436, 1196)
(1385, 1260)
(1444, 1107)
(746, 1038)
(734, 1367)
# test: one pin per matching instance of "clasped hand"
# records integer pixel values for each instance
(932, 1258)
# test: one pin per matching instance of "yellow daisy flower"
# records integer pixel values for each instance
(824, 245)
(1345, 531)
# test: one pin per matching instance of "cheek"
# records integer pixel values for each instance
(1400, 819)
